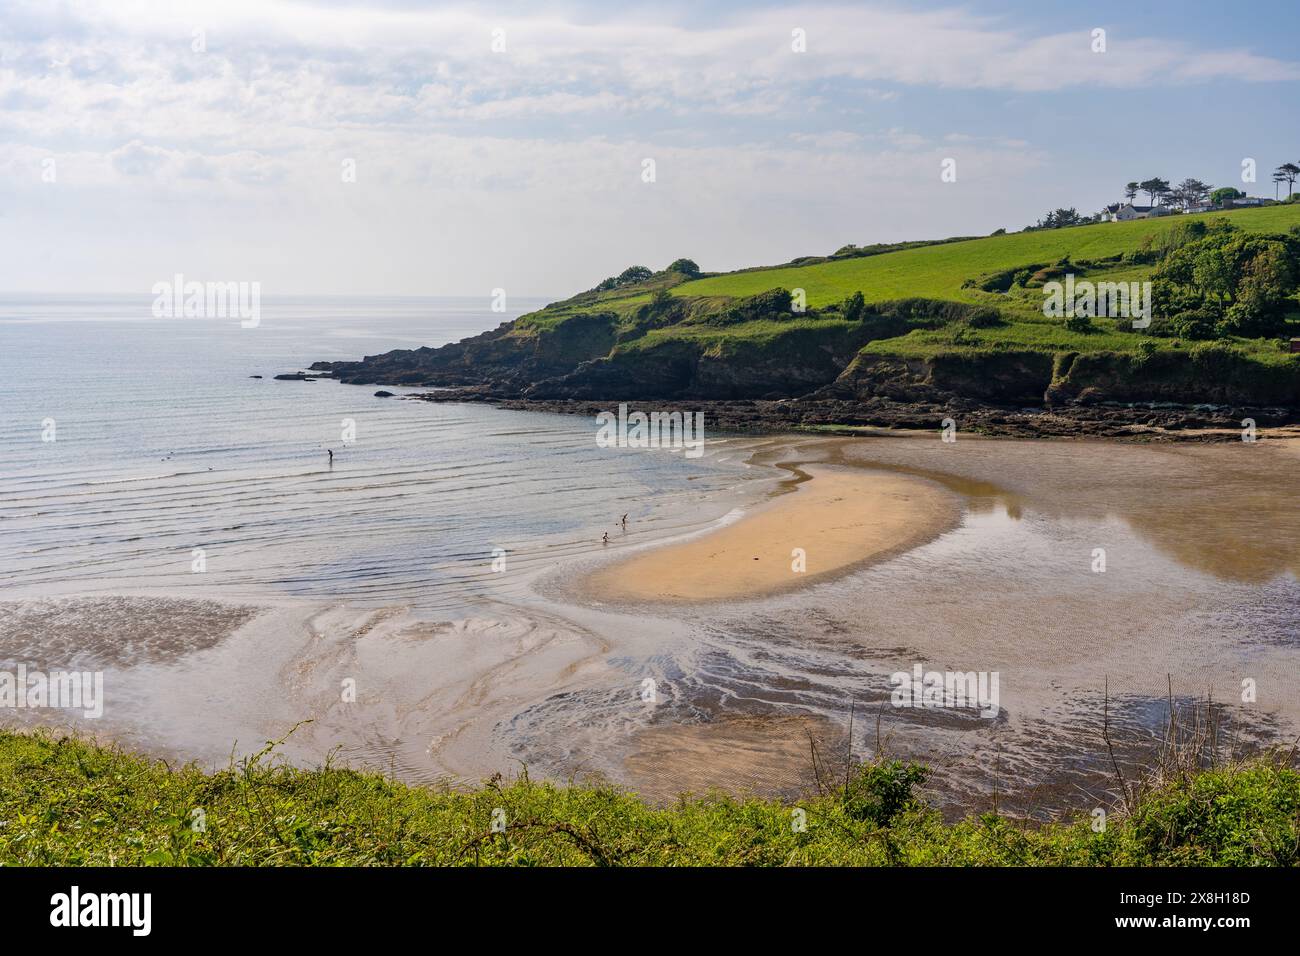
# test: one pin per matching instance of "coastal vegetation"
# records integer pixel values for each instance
(943, 271)
(65, 801)
(962, 318)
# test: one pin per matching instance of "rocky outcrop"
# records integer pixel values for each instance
(789, 364)
(758, 349)
(557, 353)
(832, 416)
(508, 358)
(1206, 375)
(1003, 378)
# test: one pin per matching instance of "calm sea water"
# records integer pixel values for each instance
(164, 444)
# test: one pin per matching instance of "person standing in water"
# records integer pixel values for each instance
(624, 522)
(605, 539)
(330, 451)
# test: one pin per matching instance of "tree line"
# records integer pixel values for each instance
(1190, 192)
(1193, 192)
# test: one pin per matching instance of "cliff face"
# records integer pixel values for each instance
(754, 348)
(1000, 378)
(666, 348)
(507, 358)
(1205, 377)
(787, 365)
(1202, 376)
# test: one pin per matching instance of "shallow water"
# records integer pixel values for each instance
(379, 572)
(164, 444)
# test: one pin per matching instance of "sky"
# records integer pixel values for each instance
(401, 148)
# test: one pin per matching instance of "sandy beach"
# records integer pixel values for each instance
(819, 524)
(916, 551)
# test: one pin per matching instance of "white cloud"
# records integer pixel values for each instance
(471, 163)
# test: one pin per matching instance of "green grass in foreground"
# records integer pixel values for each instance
(67, 802)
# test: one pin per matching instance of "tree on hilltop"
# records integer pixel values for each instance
(1060, 218)
(1290, 173)
(1191, 192)
(1156, 188)
(1224, 193)
(629, 276)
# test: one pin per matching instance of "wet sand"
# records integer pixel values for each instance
(768, 756)
(117, 630)
(1198, 595)
(822, 523)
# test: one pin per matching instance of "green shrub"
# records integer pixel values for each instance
(984, 318)
(1221, 819)
(1180, 235)
(1215, 358)
(1194, 324)
(879, 792)
(71, 803)
(853, 307)
(629, 276)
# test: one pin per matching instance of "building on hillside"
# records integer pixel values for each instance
(1198, 207)
(1128, 211)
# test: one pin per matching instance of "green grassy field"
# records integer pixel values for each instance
(939, 271)
(947, 271)
(761, 332)
(66, 802)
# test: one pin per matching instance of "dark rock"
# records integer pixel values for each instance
(847, 416)
(504, 357)
(829, 375)
(383, 394)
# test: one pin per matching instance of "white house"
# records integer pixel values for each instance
(1129, 211)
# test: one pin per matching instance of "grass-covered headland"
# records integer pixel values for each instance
(64, 801)
(1195, 310)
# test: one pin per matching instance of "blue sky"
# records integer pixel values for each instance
(133, 147)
